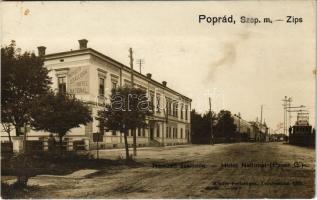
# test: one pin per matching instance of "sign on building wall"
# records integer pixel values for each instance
(78, 80)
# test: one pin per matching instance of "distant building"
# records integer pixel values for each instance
(254, 130)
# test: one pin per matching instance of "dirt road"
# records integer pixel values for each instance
(243, 170)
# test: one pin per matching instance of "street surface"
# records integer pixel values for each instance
(209, 172)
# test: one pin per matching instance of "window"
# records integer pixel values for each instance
(114, 85)
(186, 112)
(101, 86)
(170, 132)
(181, 132)
(143, 132)
(158, 106)
(182, 114)
(62, 84)
(158, 131)
(114, 132)
(169, 109)
(176, 110)
(139, 132)
(101, 127)
(167, 132)
(151, 101)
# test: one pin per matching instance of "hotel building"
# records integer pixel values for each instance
(91, 75)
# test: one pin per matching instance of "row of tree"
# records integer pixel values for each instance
(222, 125)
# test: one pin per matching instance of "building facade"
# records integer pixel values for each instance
(91, 75)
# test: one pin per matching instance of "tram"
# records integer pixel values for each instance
(302, 133)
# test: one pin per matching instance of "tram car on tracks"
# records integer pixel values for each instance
(302, 133)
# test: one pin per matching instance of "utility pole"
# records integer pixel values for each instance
(131, 65)
(287, 106)
(239, 115)
(261, 114)
(211, 123)
(261, 123)
(140, 62)
(132, 86)
(289, 113)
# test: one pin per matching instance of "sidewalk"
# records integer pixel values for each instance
(141, 148)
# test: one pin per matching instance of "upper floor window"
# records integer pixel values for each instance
(186, 112)
(101, 86)
(176, 110)
(151, 101)
(158, 103)
(182, 114)
(114, 85)
(62, 84)
(169, 108)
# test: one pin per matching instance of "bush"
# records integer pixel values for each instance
(25, 166)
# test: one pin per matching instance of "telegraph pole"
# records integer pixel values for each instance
(289, 113)
(239, 115)
(140, 62)
(261, 114)
(132, 86)
(211, 123)
(131, 65)
(285, 113)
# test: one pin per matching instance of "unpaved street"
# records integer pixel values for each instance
(208, 172)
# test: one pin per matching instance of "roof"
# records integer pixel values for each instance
(104, 57)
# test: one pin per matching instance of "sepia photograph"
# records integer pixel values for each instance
(158, 99)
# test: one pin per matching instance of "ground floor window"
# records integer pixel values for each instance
(158, 131)
(139, 132)
(143, 132)
(181, 132)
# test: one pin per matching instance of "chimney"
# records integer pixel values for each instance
(164, 83)
(41, 51)
(83, 43)
(149, 75)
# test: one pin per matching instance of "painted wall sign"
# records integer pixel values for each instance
(78, 80)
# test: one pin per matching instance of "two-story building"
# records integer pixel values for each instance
(91, 75)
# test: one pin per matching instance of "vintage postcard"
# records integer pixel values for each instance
(158, 99)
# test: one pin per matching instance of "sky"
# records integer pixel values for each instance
(240, 66)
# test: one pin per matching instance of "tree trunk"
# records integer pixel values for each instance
(17, 130)
(22, 181)
(25, 139)
(134, 141)
(126, 145)
(9, 135)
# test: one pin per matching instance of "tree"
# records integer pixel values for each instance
(127, 110)
(225, 125)
(23, 80)
(198, 134)
(201, 127)
(58, 113)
